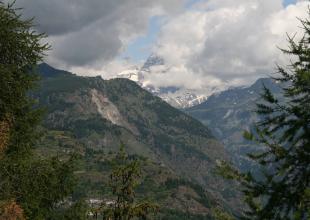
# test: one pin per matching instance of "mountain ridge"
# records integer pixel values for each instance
(98, 114)
(230, 113)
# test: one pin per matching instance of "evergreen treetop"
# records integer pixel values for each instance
(30, 186)
(284, 129)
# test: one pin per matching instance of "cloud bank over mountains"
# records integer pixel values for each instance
(204, 43)
(227, 41)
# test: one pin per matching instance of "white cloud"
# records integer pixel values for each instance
(110, 69)
(220, 42)
(212, 44)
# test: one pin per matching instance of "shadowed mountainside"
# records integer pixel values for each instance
(93, 116)
(229, 113)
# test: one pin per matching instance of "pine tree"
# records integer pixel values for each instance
(123, 180)
(283, 192)
(33, 185)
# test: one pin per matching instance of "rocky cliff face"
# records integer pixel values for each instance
(109, 111)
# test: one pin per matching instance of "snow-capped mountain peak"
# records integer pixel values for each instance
(175, 96)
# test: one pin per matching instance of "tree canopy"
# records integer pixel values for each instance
(124, 179)
(29, 185)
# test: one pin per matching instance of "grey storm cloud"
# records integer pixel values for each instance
(85, 33)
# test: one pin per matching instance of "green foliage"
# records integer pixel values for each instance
(124, 180)
(20, 50)
(219, 214)
(83, 128)
(77, 211)
(203, 198)
(59, 82)
(35, 184)
(179, 215)
(284, 130)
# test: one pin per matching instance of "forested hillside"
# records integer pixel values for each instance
(93, 117)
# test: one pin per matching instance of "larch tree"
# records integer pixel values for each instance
(30, 185)
(124, 179)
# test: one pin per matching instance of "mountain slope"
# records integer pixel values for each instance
(92, 116)
(231, 112)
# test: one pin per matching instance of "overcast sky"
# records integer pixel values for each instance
(203, 42)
